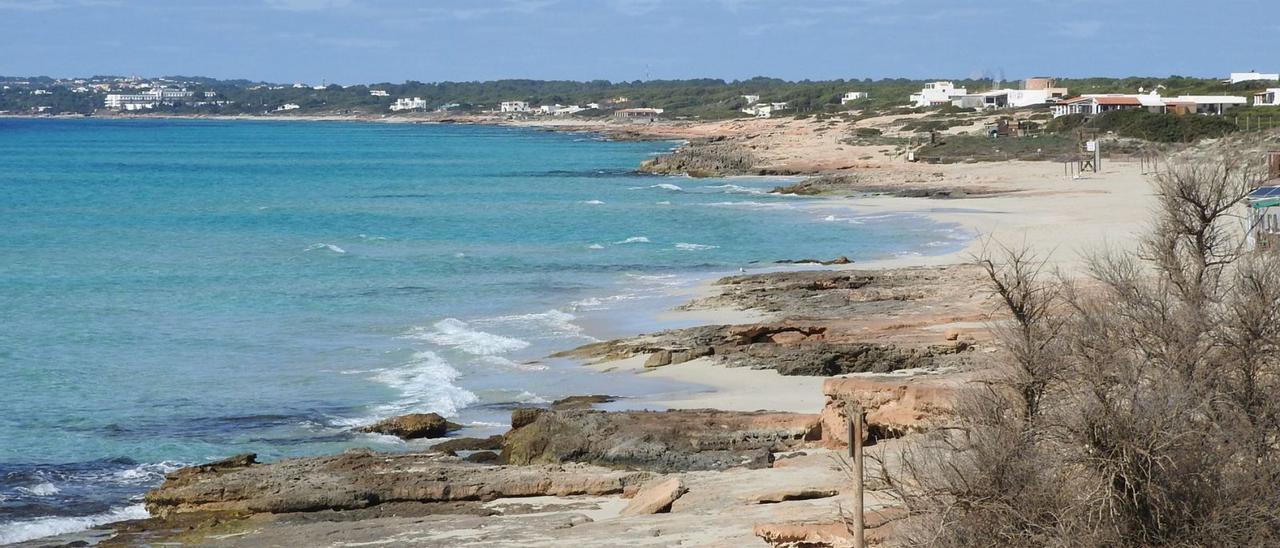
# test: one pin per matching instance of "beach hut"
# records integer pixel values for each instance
(1264, 207)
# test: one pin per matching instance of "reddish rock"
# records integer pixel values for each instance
(655, 497)
(411, 426)
(894, 405)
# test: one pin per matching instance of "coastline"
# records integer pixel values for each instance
(1109, 209)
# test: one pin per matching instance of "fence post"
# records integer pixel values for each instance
(856, 419)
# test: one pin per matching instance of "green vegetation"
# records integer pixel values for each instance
(1162, 128)
(975, 148)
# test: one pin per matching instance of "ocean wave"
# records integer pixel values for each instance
(736, 189)
(22, 531)
(512, 364)
(328, 247)
(458, 334)
(426, 384)
(45, 489)
(662, 186)
(664, 202)
(834, 219)
(595, 246)
(554, 322)
(633, 240)
(683, 246)
(591, 202)
(753, 205)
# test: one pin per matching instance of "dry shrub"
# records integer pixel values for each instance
(1135, 408)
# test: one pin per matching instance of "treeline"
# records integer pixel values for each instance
(696, 98)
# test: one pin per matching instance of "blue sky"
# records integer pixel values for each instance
(360, 41)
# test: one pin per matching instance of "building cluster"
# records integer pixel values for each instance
(149, 99)
(1092, 104)
(762, 109)
(1034, 91)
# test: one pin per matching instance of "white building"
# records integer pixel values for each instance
(378, 92)
(405, 103)
(1005, 98)
(288, 106)
(751, 99)
(1251, 76)
(764, 110)
(514, 106)
(1184, 104)
(1268, 98)
(937, 93)
(853, 96)
(567, 110)
(41, 92)
(147, 99)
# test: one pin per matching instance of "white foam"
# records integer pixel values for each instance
(633, 240)
(147, 472)
(41, 489)
(736, 189)
(663, 186)
(22, 531)
(554, 322)
(328, 247)
(457, 334)
(683, 246)
(595, 246)
(592, 202)
(664, 202)
(512, 364)
(529, 397)
(426, 385)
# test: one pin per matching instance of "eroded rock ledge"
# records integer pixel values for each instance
(684, 440)
(361, 479)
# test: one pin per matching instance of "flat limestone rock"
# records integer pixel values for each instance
(362, 479)
(655, 497)
(804, 493)
(670, 441)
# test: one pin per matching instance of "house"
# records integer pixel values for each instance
(1263, 204)
(147, 99)
(1204, 104)
(764, 110)
(937, 93)
(1268, 98)
(567, 110)
(593, 106)
(514, 106)
(1090, 105)
(1005, 98)
(637, 114)
(405, 103)
(287, 106)
(751, 99)
(852, 96)
(378, 92)
(1251, 76)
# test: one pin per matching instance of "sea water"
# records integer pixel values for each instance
(178, 291)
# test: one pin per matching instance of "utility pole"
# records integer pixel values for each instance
(856, 419)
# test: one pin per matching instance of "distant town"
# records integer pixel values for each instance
(645, 101)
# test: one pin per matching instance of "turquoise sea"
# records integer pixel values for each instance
(178, 291)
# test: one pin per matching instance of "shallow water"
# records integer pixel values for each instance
(180, 291)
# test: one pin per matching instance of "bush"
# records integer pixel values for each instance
(866, 132)
(1162, 128)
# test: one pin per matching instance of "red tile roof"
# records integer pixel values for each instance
(1118, 101)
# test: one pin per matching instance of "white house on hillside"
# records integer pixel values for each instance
(1183, 104)
(751, 99)
(378, 92)
(405, 103)
(764, 110)
(852, 96)
(1251, 76)
(1268, 98)
(514, 106)
(937, 93)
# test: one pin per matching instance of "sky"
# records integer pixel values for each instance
(370, 41)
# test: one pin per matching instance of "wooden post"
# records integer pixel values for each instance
(856, 419)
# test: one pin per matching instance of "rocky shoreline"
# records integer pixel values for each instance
(569, 471)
